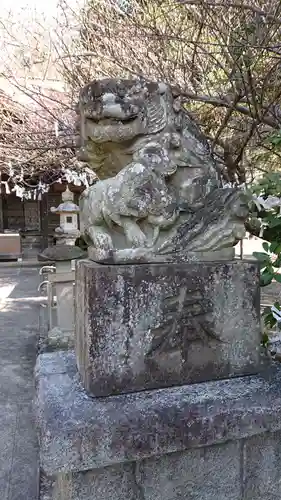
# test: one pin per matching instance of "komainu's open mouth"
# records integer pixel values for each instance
(113, 120)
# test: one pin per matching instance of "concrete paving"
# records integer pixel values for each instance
(19, 464)
(19, 330)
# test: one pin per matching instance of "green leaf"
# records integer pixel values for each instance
(267, 310)
(277, 262)
(266, 278)
(265, 340)
(276, 140)
(274, 222)
(262, 257)
(265, 246)
(270, 321)
(275, 247)
(277, 277)
(268, 318)
(268, 269)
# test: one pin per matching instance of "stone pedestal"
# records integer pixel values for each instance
(61, 334)
(157, 409)
(157, 325)
(162, 328)
(63, 281)
(217, 440)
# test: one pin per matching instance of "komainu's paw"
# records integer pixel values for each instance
(136, 237)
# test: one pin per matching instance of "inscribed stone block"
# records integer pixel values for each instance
(158, 325)
(210, 473)
(262, 466)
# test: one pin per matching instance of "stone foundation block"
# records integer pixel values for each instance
(157, 325)
(58, 339)
(204, 474)
(217, 440)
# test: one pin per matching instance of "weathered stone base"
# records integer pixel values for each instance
(218, 440)
(149, 326)
(232, 471)
(59, 339)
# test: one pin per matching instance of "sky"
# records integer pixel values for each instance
(46, 7)
(20, 44)
(40, 5)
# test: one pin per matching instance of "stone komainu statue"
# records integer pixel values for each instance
(159, 197)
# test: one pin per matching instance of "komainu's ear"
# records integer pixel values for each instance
(162, 88)
(84, 193)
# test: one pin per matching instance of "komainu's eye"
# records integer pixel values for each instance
(121, 92)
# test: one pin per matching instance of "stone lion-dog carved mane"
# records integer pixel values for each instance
(159, 195)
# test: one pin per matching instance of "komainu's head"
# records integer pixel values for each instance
(116, 113)
(117, 110)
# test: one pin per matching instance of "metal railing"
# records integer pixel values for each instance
(48, 287)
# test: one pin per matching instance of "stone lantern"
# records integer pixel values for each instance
(64, 254)
(68, 231)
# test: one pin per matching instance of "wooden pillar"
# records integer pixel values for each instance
(1, 210)
(44, 212)
(1, 205)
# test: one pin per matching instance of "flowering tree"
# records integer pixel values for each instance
(224, 57)
(38, 136)
(265, 222)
